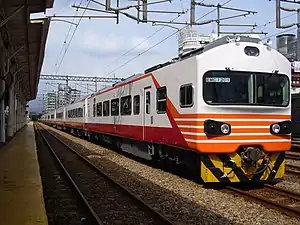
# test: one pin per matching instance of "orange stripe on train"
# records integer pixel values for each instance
(234, 137)
(235, 116)
(233, 130)
(232, 123)
(232, 147)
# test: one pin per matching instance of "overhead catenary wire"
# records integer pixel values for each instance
(66, 38)
(146, 39)
(271, 22)
(281, 32)
(150, 36)
(70, 41)
(161, 41)
(140, 43)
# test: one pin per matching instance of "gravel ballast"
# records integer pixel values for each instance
(291, 181)
(184, 201)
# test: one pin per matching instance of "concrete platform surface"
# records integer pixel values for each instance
(21, 193)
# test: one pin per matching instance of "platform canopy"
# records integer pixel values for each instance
(25, 40)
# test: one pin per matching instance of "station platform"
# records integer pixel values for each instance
(21, 192)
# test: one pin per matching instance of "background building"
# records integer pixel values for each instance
(50, 101)
(286, 44)
(189, 40)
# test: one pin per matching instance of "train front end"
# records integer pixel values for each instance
(244, 113)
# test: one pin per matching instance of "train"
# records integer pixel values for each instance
(222, 111)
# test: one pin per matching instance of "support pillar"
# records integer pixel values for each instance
(11, 115)
(18, 113)
(2, 112)
(22, 114)
(15, 107)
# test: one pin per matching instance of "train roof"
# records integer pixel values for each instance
(132, 77)
(218, 42)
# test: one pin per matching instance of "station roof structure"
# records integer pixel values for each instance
(25, 40)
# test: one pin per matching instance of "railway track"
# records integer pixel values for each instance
(64, 202)
(111, 202)
(281, 199)
(292, 156)
(293, 169)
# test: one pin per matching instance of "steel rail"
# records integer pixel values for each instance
(283, 208)
(292, 156)
(292, 194)
(131, 194)
(95, 217)
(292, 169)
(292, 166)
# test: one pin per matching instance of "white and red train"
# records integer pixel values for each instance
(223, 110)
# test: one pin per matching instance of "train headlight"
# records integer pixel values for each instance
(276, 128)
(284, 127)
(212, 127)
(225, 128)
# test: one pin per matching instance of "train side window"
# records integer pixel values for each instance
(161, 100)
(148, 102)
(186, 96)
(106, 108)
(80, 112)
(94, 108)
(114, 107)
(126, 105)
(136, 105)
(99, 109)
(59, 115)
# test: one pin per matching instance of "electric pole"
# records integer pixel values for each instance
(219, 7)
(285, 26)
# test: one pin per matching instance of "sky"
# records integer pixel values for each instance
(100, 47)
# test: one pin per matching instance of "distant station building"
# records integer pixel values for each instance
(286, 44)
(189, 40)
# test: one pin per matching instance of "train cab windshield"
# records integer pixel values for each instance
(246, 88)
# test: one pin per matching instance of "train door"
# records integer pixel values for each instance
(147, 117)
(115, 113)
